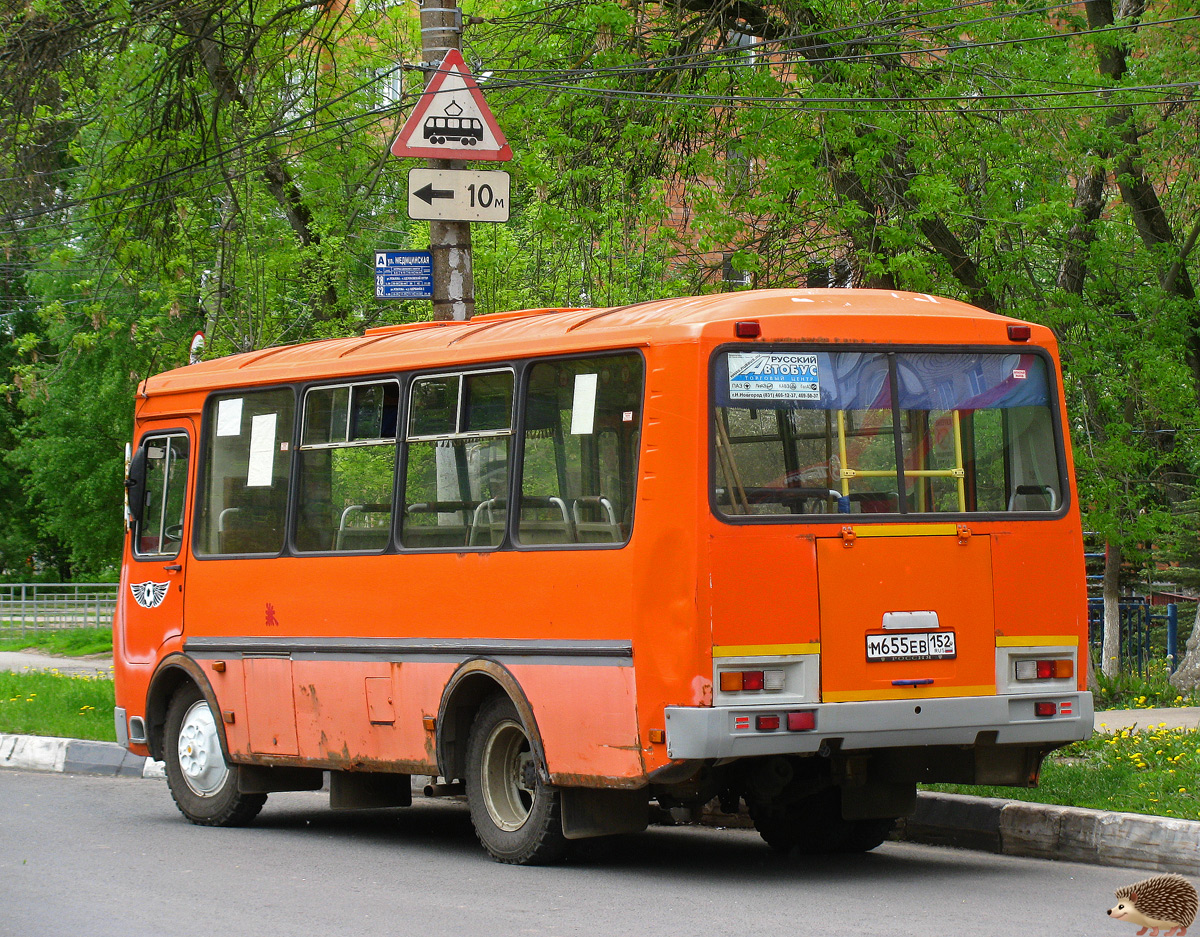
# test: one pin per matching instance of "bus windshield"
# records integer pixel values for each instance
(884, 432)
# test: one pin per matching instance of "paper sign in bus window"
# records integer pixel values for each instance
(773, 376)
(229, 416)
(583, 406)
(262, 451)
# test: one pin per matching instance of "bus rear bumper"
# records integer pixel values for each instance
(733, 732)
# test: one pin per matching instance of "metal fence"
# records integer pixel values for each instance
(29, 606)
(1147, 632)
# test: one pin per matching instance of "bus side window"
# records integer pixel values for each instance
(246, 462)
(158, 520)
(582, 429)
(459, 439)
(347, 467)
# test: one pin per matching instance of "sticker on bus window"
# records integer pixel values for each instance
(583, 405)
(229, 417)
(773, 376)
(262, 451)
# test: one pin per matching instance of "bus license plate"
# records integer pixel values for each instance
(923, 645)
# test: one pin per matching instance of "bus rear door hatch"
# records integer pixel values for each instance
(906, 611)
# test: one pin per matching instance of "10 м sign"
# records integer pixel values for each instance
(458, 195)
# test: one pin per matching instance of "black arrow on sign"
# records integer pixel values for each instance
(427, 193)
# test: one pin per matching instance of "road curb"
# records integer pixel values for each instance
(75, 756)
(1046, 831)
(1006, 827)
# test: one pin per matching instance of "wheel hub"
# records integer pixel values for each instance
(509, 776)
(200, 758)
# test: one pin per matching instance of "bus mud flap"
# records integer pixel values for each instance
(590, 812)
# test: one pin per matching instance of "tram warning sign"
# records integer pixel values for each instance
(458, 195)
(451, 120)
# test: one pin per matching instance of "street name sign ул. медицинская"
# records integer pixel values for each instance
(403, 275)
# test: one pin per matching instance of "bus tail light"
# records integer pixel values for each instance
(802, 721)
(1019, 333)
(1060, 669)
(1045, 709)
(766, 723)
(747, 329)
(735, 681)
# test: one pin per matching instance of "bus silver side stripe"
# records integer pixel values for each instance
(611, 653)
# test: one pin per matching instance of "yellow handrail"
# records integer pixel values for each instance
(845, 473)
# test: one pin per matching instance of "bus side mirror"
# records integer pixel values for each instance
(135, 487)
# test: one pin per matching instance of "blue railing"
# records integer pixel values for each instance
(1140, 623)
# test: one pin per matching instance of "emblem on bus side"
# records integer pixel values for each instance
(149, 594)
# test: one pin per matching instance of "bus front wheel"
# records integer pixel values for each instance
(203, 786)
(517, 817)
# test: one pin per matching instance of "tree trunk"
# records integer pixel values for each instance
(1187, 677)
(1110, 649)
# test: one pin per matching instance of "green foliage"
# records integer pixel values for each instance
(70, 642)
(1135, 691)
(55, 704)
(1152, 770)
(224, 167)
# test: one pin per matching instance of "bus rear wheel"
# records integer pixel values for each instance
(203, 785)
(517, 817)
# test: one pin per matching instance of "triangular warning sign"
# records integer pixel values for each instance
(451, 119)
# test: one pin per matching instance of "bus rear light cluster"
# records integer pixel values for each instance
(1045, 709)
(736, 681)
(1045, 669)
(802, 721)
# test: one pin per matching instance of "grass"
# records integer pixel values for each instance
(72, 642)
(1154, 770)
(50, 703)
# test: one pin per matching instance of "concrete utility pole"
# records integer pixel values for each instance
(449, 241)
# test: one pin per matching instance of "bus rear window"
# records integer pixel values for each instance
(816, 432)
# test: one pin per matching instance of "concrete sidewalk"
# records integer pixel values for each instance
(91, 665)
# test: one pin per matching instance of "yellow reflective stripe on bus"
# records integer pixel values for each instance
(764, 650)
(1038, 640)
(918, 692)
(906, 530)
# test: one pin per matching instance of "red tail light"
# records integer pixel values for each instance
(766, 723)
(1045, 709)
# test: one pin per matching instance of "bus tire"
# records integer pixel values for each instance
(517, 817)
(203, 785)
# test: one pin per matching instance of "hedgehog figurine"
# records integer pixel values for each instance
(1165, 902)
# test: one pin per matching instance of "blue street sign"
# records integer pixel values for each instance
(403, 275)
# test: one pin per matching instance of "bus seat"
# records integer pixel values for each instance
(1033, 498)
(875, 502)
(604, 530)
(244, 531)
(536, 527)
(488, 523)
(435, 524)
(353, 534)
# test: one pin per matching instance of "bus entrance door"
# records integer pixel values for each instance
(906, 612)
(151, 593)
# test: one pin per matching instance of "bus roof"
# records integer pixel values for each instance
(840, 315)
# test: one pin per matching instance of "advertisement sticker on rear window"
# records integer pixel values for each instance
(773, 376)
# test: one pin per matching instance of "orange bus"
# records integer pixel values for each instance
(797, 549)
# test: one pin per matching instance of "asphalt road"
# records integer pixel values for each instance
(92, 857)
